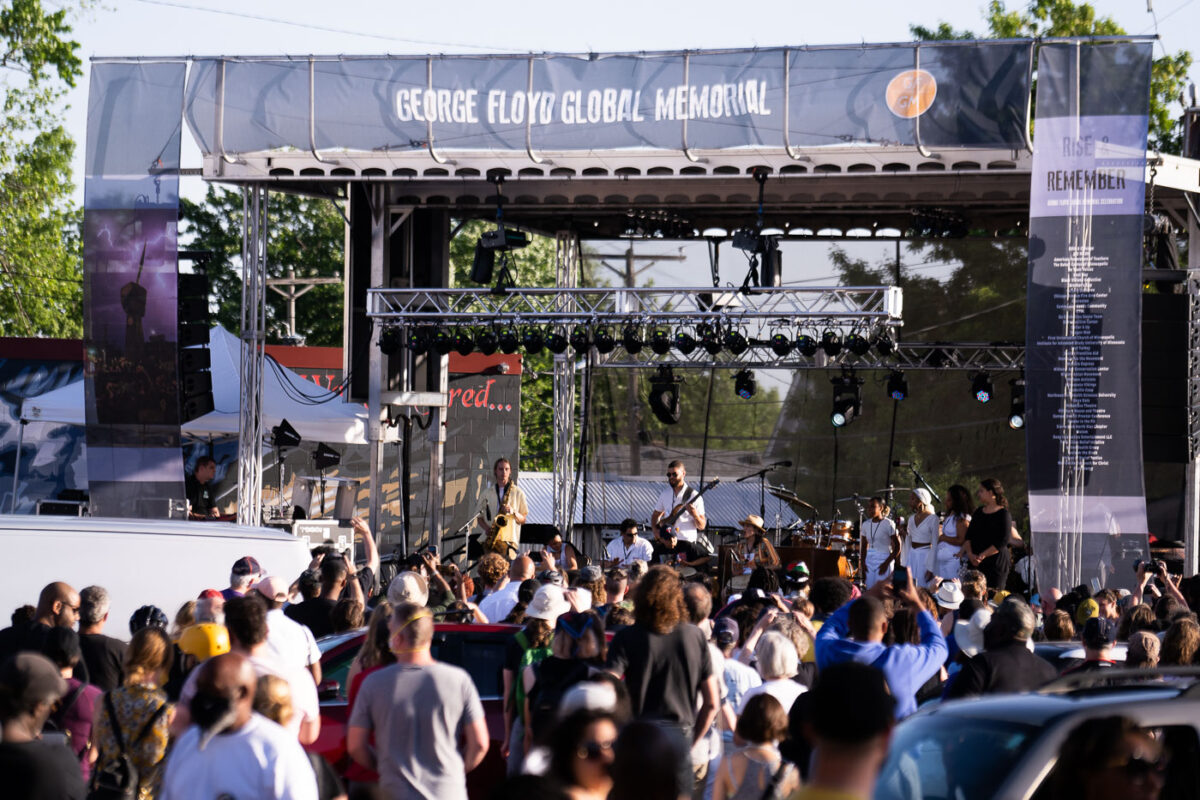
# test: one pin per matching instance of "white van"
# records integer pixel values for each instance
(140, 562)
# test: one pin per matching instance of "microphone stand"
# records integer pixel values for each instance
(921, 478)
(762, 485)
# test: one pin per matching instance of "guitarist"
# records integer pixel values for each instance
(680, 497)
(508, 500)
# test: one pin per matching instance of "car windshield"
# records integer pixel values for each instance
(955, 758)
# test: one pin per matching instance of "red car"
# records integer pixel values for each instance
(479, 649)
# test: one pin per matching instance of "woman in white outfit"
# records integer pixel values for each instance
(954, 532)
(922, 536)
(880, 544)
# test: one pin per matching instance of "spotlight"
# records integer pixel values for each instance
(391, 340)
(443, 341)
(604, 341)
(807, 345)
(508, 340)
(885, 345)
(897, 386)
(710, 338)
(421, 339)
(685, 342)
(664, 396)
(581, 340)
(532, 340)
(831, 342)
(847, 400)
(631, 339)
(660, 341)
(981, 387)
(858, 344)
(781, 343)
(486, 341)
(743, 384)
(484, 264)
(1016, 407)
(556, 342)
(735, 342)
(463, 344)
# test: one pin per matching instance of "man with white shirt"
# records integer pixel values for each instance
(497, 605)
(628, 546)
(691, 519)
(291, 643)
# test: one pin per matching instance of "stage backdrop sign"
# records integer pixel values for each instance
(131, 206)
(944, 94)
(1083, 341)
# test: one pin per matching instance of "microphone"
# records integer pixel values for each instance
(782, 464)
(901, 463)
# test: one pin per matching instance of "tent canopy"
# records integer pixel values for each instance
(316, 414)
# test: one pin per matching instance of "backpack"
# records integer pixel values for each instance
(529, 655)
(55, 728)
(118, 778)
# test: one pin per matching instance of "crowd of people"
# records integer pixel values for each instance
(621, 678)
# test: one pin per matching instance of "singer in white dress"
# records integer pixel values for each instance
(880, 543)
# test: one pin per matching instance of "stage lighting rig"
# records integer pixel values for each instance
(464, 345)
(486, 341)
(533, 340)
(847, 400)
(660, 341)
(885, 345)
(556, 341)
(831, 342)
(508, 340)
(781, 344)
(443, 341)
(897, 386)
(806, 345)
(391, 340)
(710, 338)
(664, 396)
(684, 342)
(760, 248)
(604, 341)
(744, 385)
(982, 388)
(858, 344)
(581, 340)
(736, 342)
(420, 339)
(1016, 406)
(631, 339)
(500, 240)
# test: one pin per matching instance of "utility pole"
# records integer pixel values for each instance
(295, 287)
(628, 272)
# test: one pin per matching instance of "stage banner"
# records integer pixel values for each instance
(1087, 502)
(130, 228)
(938, 94)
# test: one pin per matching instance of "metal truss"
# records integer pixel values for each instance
(975, 357)
(254, 323)
(838, 305)
(564, 302)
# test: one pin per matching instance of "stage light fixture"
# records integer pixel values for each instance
(604, 341)
(847, 400)
(744, 385)
(508, 340)
(897, 386)
(390, 340)
(1016, 407)
(685, 342)
(419, 340)
(885, 345)
(443, 341)
(484, 263)
(533, 340)
(660, 341)
(664, 396)
(735, 342)
(581, 339)
(556, 341)
(781, 344)
(858, 344)
(487, 340)
(710, 338)
(464, 345)
(981, 387)
(831, 342)
(631, 339)
(806, 345)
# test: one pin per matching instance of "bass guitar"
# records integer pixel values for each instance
(667, 523)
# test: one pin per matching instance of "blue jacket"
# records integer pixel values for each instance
(905, 666)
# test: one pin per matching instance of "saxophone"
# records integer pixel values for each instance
(500, 533)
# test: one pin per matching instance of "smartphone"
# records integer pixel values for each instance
(900, 579)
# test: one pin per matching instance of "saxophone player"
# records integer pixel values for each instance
(510, 503)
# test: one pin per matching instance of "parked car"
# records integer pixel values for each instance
(1004, 747)
(479, 649)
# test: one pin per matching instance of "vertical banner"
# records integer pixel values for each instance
(1087, 502)
(130, 230)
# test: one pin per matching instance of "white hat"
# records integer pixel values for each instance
(949, 594)
(589, 695)
(548, 603)
(969, 634)
(925, 497)
(408, 587)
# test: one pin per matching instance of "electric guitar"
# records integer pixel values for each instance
(667, 523)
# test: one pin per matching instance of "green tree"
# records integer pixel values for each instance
(1042, 18)
(40, 261)
(305, 234)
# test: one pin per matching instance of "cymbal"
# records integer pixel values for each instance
(893, 489)
(789, 497)
(851, 498)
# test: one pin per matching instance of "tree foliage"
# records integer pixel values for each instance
(1043, 18)
(305, 234)
(40, 256)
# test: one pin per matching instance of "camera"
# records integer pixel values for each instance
(1152, 566)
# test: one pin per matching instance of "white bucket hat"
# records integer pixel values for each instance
(548, 603)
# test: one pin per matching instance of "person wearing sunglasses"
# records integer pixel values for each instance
(679, 495)
(1109, 758)
(581, 754)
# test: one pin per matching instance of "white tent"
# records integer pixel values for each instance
(63, 405)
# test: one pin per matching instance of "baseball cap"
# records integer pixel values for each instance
(1087, 609)
(408, 587)
(247, 565)
(550, 577)
(548, 603)
(210, 594)
(725, 630)
(949, 594)
(590, 574)
(797, 573)
(32, 678)
(273, 587)
(1099, 633)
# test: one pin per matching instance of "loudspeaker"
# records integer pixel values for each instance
(1165, 397)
